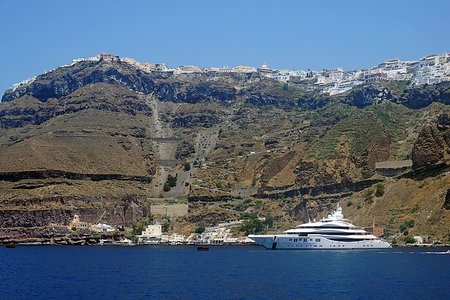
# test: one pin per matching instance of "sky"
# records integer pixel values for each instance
(40, 35)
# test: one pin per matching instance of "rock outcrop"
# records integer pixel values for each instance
(432, 145)
(367, 95)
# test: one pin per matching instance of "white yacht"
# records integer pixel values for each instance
(332, 232)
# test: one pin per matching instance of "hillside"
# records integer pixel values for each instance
(100, 138)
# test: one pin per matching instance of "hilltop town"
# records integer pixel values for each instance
(431, 69)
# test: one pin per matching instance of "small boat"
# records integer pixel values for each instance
(10, 245)
(200, 248)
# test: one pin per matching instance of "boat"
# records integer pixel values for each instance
(10, 245)
(332, 232)
(200, 248)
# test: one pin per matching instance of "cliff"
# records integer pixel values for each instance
(99, 139)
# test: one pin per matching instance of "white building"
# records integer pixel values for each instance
(418, 239)
(152, 231)
(298, 74)
(342, 87)
(244, 69)
(264, 68)
(215, 235)
(225, 70)
(176, 239)
(336, 74)
(278, 76)
(187, 70)
(102, 228)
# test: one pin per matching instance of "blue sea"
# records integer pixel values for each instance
(182, 272)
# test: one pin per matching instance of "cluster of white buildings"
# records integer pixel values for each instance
(217, 235)
(153, 234)
(431, 69)
(77, 224)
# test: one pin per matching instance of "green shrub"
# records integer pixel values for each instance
(247, 216)
(172, 180)
(409, 239)
(165, 226)
(380, 190)
(199, 230)
(368, 195)
(349, 203)
(138, 228)
(166, 187)
(170, 183)
(252, 226)
(269, 220)
(187, 166)
(406, 225)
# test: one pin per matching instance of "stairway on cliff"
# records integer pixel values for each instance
(165, 145)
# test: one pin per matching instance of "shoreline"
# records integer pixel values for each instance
(15, 244)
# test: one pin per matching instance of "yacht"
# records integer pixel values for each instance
(332, 232)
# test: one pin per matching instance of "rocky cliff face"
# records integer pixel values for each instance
(28, 110)
(63, 81)
(432, 145)
(412, 97)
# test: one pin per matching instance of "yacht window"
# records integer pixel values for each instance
(317, 240)
(305, 240)
(295, 240)
(290, 240)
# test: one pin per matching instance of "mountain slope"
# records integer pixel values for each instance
(99, 139)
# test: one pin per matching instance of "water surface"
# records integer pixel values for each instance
(156, 272)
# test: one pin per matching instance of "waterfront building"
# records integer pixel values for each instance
(152, 231)
(77, 224)
(102, 228)
(176, 239)
(418, 239)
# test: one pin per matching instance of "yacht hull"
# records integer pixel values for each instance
(291, 242)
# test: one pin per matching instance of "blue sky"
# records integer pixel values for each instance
(40, 35)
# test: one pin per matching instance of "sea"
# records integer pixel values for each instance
(223, 272)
